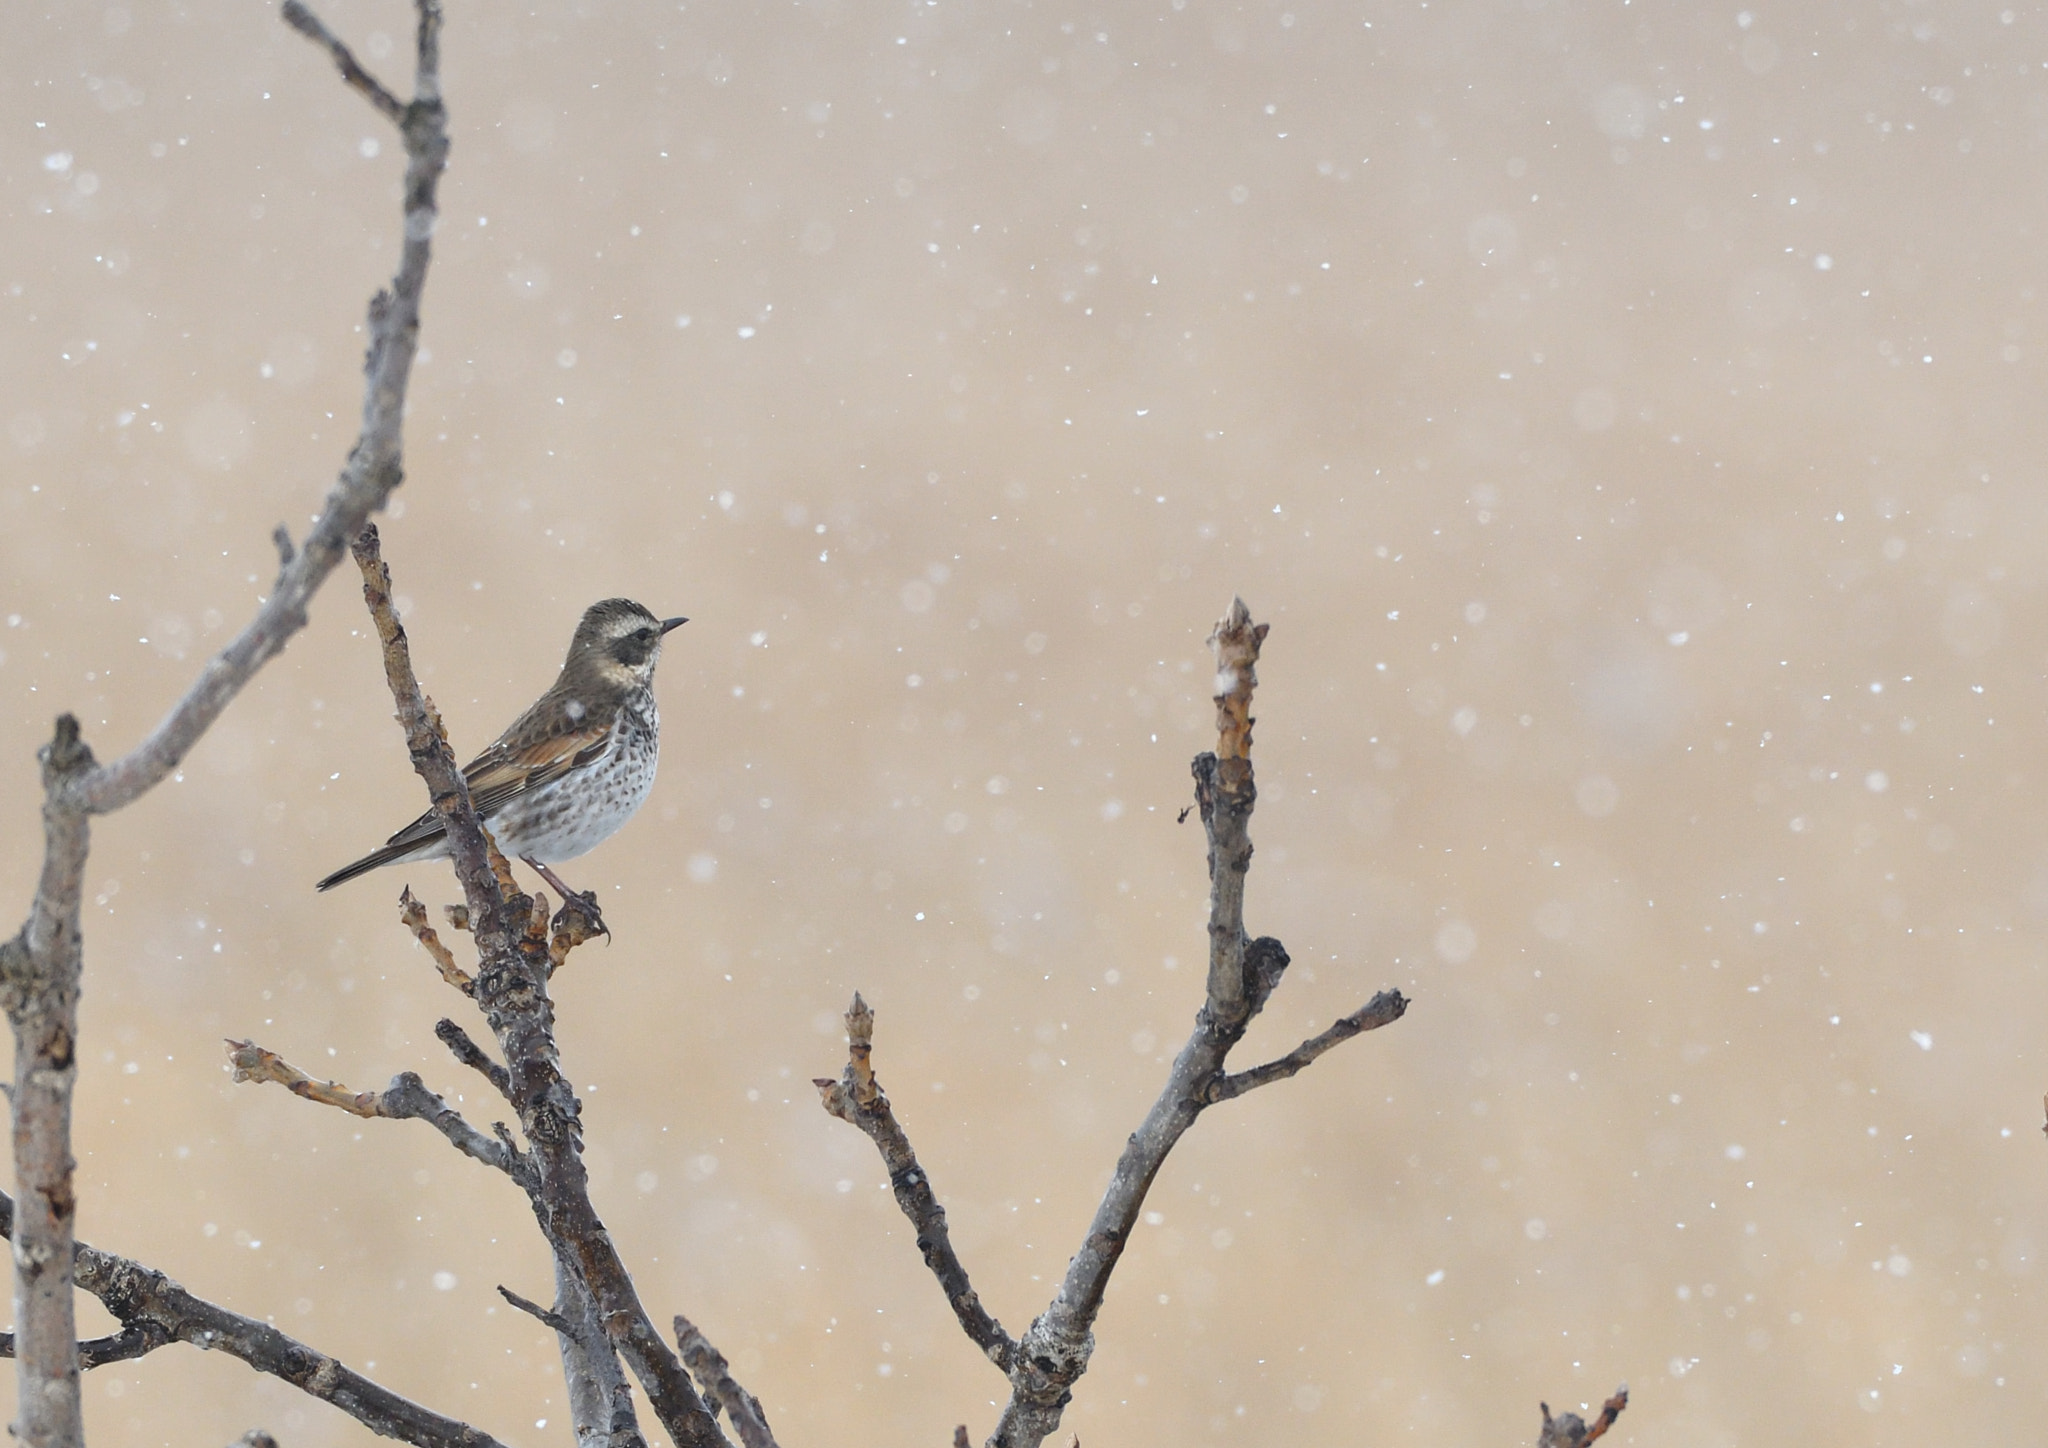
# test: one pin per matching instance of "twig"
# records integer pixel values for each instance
(405, 1099)
(308, 24)
(547, 1317)
(511, 990)
(156, 1310)
(96, 1352)
(709, 1367)
(1569, 1430)
(857, 1098)
(1383, 1009)
(41, 968)
(414, 916)
(470, 1054)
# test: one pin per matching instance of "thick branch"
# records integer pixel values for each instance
(857, 1098)
(600, 1399)
(155, 1310)
(39, 985)
(708, 1366)
(405, 1099)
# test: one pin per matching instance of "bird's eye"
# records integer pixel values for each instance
(643, 634)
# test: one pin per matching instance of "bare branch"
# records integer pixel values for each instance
(511, 990)
(414, 916)
(1226, 794)
(405, 1099)
(546, 1317)
(1383, 1009)
(708, 1366)
(158, 1311)
(470, 1054)
(427, 741)
(1569, 1430)
(39, 984)
(1243, 973)
(96, 1352)
(309, 25)
(374, 466)
(600, 1399)
(857, 1098)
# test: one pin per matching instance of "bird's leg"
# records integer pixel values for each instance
(583, 901)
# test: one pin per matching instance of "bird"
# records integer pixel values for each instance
(570, 770)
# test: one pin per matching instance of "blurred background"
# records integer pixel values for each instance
(1626, 417)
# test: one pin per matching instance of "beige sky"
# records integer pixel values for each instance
(1627, 417)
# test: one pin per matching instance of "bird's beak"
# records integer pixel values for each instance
(671, 623)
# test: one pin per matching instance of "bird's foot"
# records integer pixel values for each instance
(578, 920)
(579, 914)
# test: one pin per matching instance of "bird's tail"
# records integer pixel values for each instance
(388, 854)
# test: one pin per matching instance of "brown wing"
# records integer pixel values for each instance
(533, 752)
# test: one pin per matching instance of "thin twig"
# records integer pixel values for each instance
(857, 1098)
(714, 1375)
(96, 1352)
(547, 1317)
(414, 917)
(157, 1310)
(1383, 1009)
(309, 25)
(470, 1054)
(405, 1099)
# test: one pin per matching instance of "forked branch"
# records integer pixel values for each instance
(1050, 1358)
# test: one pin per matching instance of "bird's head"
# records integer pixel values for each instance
(619, 641)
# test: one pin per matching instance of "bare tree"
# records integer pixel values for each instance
(606, 1335)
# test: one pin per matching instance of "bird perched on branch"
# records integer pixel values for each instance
(571, 769)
